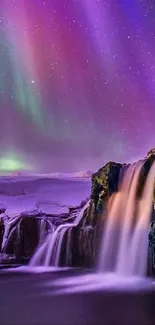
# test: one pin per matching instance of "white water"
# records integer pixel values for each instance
(125, 239)
(98, 282)
(50, 251)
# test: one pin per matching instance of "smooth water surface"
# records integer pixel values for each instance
(74, 297)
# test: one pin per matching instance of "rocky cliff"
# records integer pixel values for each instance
(105, 182)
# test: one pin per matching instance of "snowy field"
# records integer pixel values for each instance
(52, 193)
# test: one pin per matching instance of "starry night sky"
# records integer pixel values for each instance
(77, 82)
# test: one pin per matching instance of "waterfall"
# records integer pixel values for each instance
(49, 253)
(124, 246)
(122, 172)
(45, 226)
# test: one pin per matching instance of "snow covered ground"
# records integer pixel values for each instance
(45, 193)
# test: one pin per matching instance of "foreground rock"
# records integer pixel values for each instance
(20, 236)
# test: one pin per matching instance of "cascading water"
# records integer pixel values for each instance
(115, 215)
(45, 227)
(49, 252)
(125, 239)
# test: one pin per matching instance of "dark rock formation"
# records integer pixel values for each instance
(151, 255)
(85, 238)
(27, 237)
(22, 235)
(80, 243)
(144, 173)
(150, 153)
(104, 183)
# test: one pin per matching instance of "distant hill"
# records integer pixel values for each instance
(58, 175)
(81, 174)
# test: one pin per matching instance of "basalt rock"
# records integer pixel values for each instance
(104, 183)
(84, 239)
(150, 153)
(151, 254)
(144, 173)
(23, 236)
(21, 239)
(27, 237)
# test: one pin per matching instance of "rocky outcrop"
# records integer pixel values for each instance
(104, 183)
(27, 237)
(150, 153)
(144, 173)
(20, 236)
(85, 238)
(151, 253)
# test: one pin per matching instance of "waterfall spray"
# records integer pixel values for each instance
(125, 239)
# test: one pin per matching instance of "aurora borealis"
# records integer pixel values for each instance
(13, 163)
(77, 81)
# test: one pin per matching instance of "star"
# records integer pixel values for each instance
(92, 73)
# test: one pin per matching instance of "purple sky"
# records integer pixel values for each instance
(77, 81)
